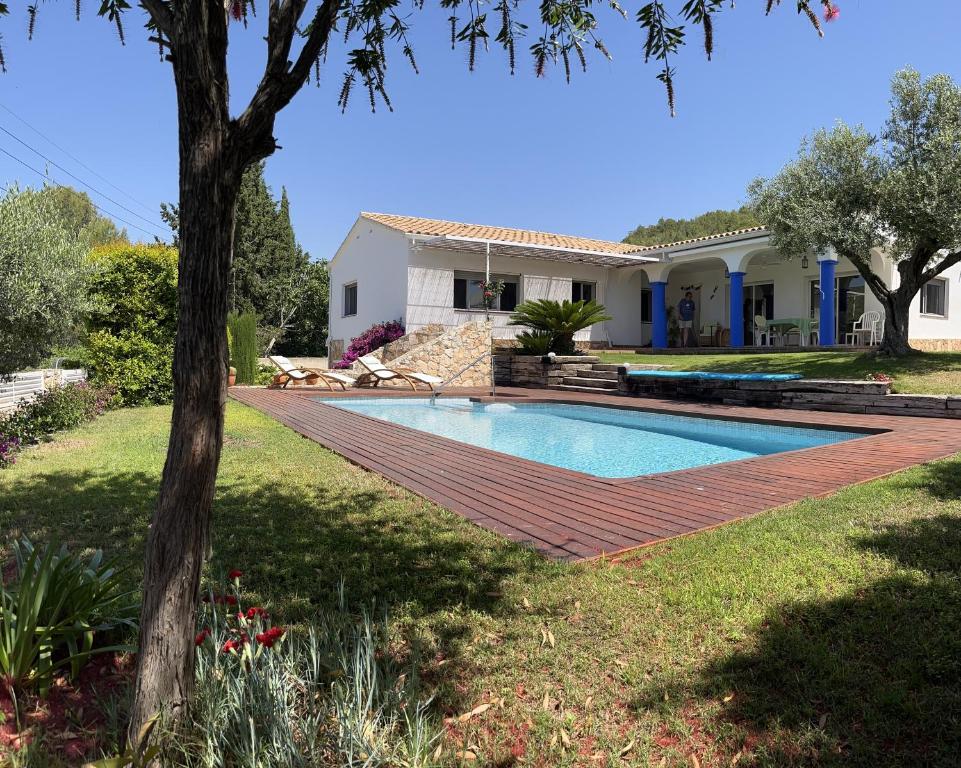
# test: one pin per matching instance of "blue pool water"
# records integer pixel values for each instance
(608, 442)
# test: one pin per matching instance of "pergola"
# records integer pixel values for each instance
(491, 247)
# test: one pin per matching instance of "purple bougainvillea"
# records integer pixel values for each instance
(373, 338)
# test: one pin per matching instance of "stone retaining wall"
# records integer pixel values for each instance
(802, 394)
(533, 371)
(445, 354)
(394, 349)
(937, 345)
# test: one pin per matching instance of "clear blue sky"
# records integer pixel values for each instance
(593, 158)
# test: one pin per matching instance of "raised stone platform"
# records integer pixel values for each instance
(802, 394)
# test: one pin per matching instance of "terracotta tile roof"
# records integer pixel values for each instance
(702, 238)
(415, 225)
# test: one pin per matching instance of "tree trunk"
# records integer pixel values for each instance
(180, 531)
(897, 311)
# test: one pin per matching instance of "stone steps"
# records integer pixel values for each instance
(594, 373)
(578, 388)
(590, 383)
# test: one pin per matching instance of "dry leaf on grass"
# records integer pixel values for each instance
(626, 749)
(478, 710)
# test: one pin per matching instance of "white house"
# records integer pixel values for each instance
(425, 271)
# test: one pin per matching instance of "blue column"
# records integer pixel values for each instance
(659, 314)
(737, 309)
(826, 318)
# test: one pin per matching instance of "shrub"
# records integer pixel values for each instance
(43, 279)
(244, 345)
(132, 330)
(535, 342)
(331, 696)
(55, 410)
(373, 338)
(138, 369)
(55, 612)
(560, 319)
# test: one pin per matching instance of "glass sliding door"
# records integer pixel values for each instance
(849, 294)
(758, 301)
(850, 306)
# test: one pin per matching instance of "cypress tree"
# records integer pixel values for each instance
(243, 336)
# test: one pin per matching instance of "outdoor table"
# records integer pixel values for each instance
(784, 324)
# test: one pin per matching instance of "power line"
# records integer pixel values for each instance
(76, 178)
(101, 210)
(76, 159)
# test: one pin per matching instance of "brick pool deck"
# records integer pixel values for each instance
(572, 516)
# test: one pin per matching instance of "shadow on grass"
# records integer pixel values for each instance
(871, 678)
(431, 572)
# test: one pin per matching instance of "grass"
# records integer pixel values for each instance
(928, 373)
(824, 633)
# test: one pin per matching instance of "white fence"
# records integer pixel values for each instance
(23, 387)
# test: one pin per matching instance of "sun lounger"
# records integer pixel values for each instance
(378, 372)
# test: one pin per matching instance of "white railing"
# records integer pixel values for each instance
(23, 387)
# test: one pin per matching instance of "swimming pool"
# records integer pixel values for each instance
(607, 442)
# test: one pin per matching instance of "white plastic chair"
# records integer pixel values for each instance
(762, 334)
(868, 325)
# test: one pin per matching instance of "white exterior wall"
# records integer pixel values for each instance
(624, 305)
(416, 284)
(375, 257)
(430, 287)
(932, 326)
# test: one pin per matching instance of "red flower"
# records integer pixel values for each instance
(236, 10)
(235, 574)
(230, 600)
(275, 633)
(201, 636)
(231, 645)
(265, 639)
(254, 612)
(832, 13)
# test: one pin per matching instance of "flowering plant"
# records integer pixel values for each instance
(490, 289)
(226, 628)
(882, 377)
(373, 338)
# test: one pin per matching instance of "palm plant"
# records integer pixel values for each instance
(560, 319)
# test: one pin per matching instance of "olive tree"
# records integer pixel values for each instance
(896, 193)
(42, 278)
(302, 38)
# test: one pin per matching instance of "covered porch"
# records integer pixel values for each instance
(749, 296)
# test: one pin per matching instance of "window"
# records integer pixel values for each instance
(933, 298)
(583, 291)
(350, 299)
(469, 295)
(646, 305)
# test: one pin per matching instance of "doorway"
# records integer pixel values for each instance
(758, 301)
(849, 298)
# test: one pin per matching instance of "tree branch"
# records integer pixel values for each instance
(281, 81)
(946, 263)
(162, 15)
(863, 266)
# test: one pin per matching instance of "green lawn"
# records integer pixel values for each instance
(825, 633)
(930, 373)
